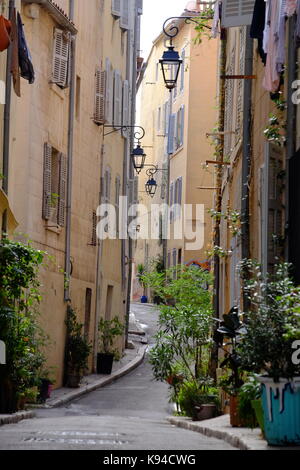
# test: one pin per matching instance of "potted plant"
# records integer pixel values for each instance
(272, 326)
(109, 330)
(45, 386)
(250, 405)
(141, 273)
(198, 399)
(77, 350)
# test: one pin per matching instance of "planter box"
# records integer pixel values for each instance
(281, 405)
(104, 363)
(205, 412)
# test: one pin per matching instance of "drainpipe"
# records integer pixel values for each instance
(218, 204)
(129, 167)
(6, 125)
(246, 162)
(70, 160)
(291, 121)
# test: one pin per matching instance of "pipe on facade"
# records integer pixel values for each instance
(7, 108)
(218, 203)
(247, 149)
(70, 159)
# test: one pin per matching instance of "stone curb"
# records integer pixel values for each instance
(101, 382)
(16, 417)
(226, 436)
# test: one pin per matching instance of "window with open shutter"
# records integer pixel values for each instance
(237, 13)
(117, 119)
(100, 95)
(61, 57)
(109, 92)
(171, 133)
(124, 19)
(125, 112)
(116, 7)
(47, 181)
(62, 190)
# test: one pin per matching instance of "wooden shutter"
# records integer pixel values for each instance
(60, 57)
(171, 134)
(62, 189)
(109, 92)
(116, 7)
(124, 19)
(47, 181)
(125, 112)
(117, 99)
(100, 93)
(182, 70)
(237, 13)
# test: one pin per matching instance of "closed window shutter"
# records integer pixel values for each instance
(180, 191)
(171, 134)
(60, 57)
(166, 118)
(125, 118)
(117, 99)
(182, 70)
(175, 139)
(62, 190)
(109, 92)
(100, 92)
(124, 20)
(47, 181)
(116, 7)
(237, 13)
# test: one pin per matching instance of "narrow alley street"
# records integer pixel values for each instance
(129, 414)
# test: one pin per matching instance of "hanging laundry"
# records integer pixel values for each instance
(267, 25)
(271, 79)
(25, 60)
(15, 68)
(5, 30)
(258, 26)
(216, 20)
(280, 36)
(290, 7)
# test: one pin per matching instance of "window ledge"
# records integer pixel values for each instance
(57, 90)
(51, 227)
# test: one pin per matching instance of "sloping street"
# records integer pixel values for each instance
(129, 414)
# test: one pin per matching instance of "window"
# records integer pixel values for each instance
(100, 94)
(179, 128)
(117, 107)
(54, 194)
(107, 185)
(61, 58)
(171, 133)
(117, 202)
(124, 19)
(237, 13)
(125, 112)
(109, 92)
(116, 7)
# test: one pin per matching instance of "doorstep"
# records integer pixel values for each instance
(16, 417)
(220, 428)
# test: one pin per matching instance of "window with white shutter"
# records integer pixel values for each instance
(61, 58)
(171, 148)
(116, 7)
(100, 96)
(125, 112)
(54, 186)
(117, 119)
(124, 19)
(109, 92)
(237, 13)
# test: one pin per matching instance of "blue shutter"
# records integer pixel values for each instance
(182, 126)
(171, 133)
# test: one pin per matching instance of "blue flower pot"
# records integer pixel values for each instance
(281, 405)
(144, 299)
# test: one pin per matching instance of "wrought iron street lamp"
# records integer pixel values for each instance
(151, 187)
(171, 61)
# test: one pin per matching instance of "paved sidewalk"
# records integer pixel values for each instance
(241, 438)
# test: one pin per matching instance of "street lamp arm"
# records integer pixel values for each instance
(187, 20)
(138, 135)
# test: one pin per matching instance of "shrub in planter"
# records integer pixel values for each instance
(77, 350)
(271, 327)
(198, 400)
(109, 330)
(248, 393)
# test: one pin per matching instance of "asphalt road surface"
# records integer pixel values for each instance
(129, 414)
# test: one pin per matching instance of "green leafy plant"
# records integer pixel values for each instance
(109, 330)
(78, 349)
(203, 22)
(273, 131)
(251, 390)
(194, 394)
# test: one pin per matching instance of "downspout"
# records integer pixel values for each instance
(6, 124)
(218, 203)
(291, 123)
(130, 168)
(70, 160)
(246, 162)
